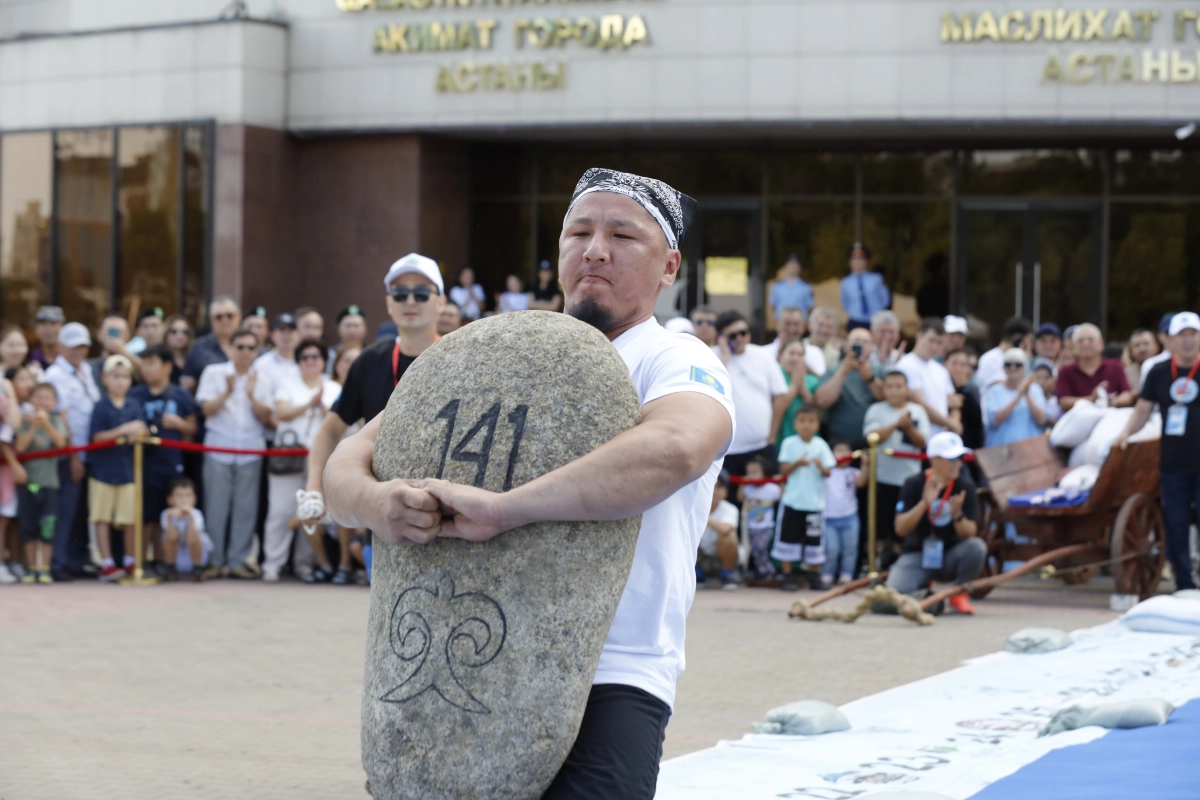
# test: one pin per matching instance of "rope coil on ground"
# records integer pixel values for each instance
(909, 608)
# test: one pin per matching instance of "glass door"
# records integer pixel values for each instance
(724, 264)
(1035, 260)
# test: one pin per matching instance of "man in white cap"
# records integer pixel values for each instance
(937, 520)
(956, 333)
(1172, 385)
(619, 248)
(414, 298)
(78, 393)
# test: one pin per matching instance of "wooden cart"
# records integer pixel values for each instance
(1120, 522)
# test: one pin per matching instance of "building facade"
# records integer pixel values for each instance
(997, 157)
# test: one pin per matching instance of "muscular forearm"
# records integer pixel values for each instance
(344, 473)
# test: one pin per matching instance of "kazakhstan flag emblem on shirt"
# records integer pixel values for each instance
(700, 376)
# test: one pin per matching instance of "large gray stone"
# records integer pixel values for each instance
(480, 656)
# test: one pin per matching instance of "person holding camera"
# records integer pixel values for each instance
(849, 389)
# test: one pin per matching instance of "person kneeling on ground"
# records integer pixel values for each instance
(937, 520)
(719, 545)
(183, 524)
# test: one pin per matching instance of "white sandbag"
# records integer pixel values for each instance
(1187, 594)
(803, 718)
(1075, 426)
(1151, 430)
(1099, 442)
(1037, 640)
(1130, 714)
(1081, 478)
(1164, 614)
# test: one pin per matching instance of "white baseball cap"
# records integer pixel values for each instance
(74, 334)
(411, 263)
(954, 324)
(680, 325)
(1180, 322)
(946, 444)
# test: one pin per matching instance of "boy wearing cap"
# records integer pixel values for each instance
(937, 519)
(1173, 386)
(110, 487)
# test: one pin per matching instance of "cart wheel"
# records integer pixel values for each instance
(992, 533)
(1138, 529)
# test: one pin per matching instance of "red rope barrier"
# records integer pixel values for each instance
(740, 481)
(66, 451)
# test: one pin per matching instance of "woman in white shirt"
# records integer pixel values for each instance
(515, 298)
(468, 295)
(300, 406)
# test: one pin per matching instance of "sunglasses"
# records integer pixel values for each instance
(1013, 365)
(244, 347)
(421, 294)
(179, 331)
(310, 357)
(736, 334)
(227, 315)
(703, 321)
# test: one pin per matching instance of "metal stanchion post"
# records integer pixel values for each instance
(139, 577)
(872, 502)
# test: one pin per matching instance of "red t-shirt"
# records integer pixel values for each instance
(1074, 382)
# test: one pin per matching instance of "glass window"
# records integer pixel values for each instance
(713, 171)
(910, 246)
(811, 173)
(85, 216)
(908, 173)
(499, 170)
(550, 220)
(501, 244)
(26, 174)
(195, 221)
(1154, 253)
(149, 218)
(559, 169)
(819, 234)
(1156, 172)
(1037, 173)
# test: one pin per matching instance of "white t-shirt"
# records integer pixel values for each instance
(841, 495)
(470, 302)
(760, 505)
(514, 301)
(725, 512)
(755, 378)
(303, 427)
(814, 357)
(644, 647)
(274, 371)
(933, 380)
(235, 424)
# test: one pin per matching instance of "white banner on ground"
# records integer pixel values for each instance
(953, 733)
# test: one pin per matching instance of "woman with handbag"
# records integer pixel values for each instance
(300, 406)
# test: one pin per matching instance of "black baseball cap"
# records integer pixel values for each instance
(545, 265)
(284, 320)
(1164, 324)
(1048, 329)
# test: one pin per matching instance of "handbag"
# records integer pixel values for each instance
(290, 465)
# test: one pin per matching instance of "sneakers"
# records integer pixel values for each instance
(111, 573)
(18, 571)
(243, 572)
(825, 581)
(789, 582)
(43, 575)
(962, 604)
(700, 576)
(29, 577)
(270, 576)
(318, 575)
(729, 580)
(6, 575)
(341, 577)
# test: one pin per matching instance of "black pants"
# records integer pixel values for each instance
(616, 755)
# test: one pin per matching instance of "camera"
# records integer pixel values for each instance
(857, 349)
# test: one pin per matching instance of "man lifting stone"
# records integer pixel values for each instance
(619, 248)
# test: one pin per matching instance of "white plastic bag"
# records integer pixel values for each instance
(803, 718)
(1037, 640)
(1075, 426)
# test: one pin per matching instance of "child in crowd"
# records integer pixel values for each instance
(12, 475)
(758, 503)
(1045, 376)
(183, 524)
(841, 517)
(37, 501)
(805, 460)
(110, 487)
(903, 427)
(719, 543)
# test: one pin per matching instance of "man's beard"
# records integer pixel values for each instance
(590, 311)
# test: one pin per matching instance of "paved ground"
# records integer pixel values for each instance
(243, 690)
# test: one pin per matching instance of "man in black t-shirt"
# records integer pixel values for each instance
(415, 295)
(1173, 386)
(937, 519)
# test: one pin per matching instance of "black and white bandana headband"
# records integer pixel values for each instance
(671, 209)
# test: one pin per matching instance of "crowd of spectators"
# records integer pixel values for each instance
(816, 387)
